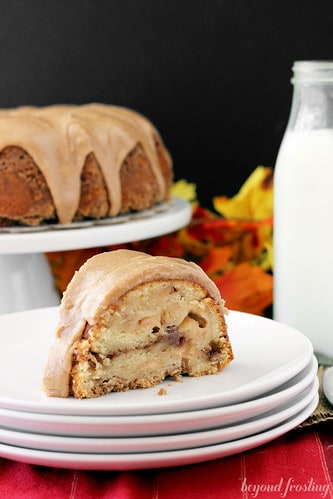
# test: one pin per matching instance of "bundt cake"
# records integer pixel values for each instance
(128, 320)
(65, 163)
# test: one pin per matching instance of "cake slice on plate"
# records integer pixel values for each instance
(129, 320)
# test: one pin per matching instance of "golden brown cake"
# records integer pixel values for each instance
(65, 163)
(128, 320)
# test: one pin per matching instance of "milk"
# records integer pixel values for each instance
(303, 236)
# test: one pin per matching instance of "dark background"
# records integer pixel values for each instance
(213, 76)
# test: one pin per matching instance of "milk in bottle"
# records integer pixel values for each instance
(303, 209)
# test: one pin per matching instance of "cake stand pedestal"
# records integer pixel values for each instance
(26, 280)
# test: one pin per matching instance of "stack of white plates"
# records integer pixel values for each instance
(270, 388)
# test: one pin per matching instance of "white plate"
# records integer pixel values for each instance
(141, 226)
(166, 442)
(267, 354)
(135, 461)
(156, 424)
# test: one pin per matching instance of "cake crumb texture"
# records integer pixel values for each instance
(163, 317)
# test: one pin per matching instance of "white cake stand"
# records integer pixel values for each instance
(26, 280)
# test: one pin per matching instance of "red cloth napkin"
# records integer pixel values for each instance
(298, 464)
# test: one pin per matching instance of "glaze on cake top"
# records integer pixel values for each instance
(59, 138)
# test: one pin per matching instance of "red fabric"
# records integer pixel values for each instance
(298, 464)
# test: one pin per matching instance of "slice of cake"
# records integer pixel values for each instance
(128, 320)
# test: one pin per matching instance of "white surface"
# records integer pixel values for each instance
(139, 227)
(156, 424)
(162, 442)
(267, 354)
(328, 384)
(303, 235)
(26, 283)
(153, 459)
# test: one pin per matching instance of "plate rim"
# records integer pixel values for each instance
(102, 405)
(155, 423)
(140, 461)
(168, 442)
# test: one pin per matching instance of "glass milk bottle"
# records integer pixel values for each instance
(303, 210)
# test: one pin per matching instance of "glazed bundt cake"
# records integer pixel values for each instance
(128, 320)
(65, 163)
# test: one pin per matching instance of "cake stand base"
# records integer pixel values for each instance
(26, 283)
